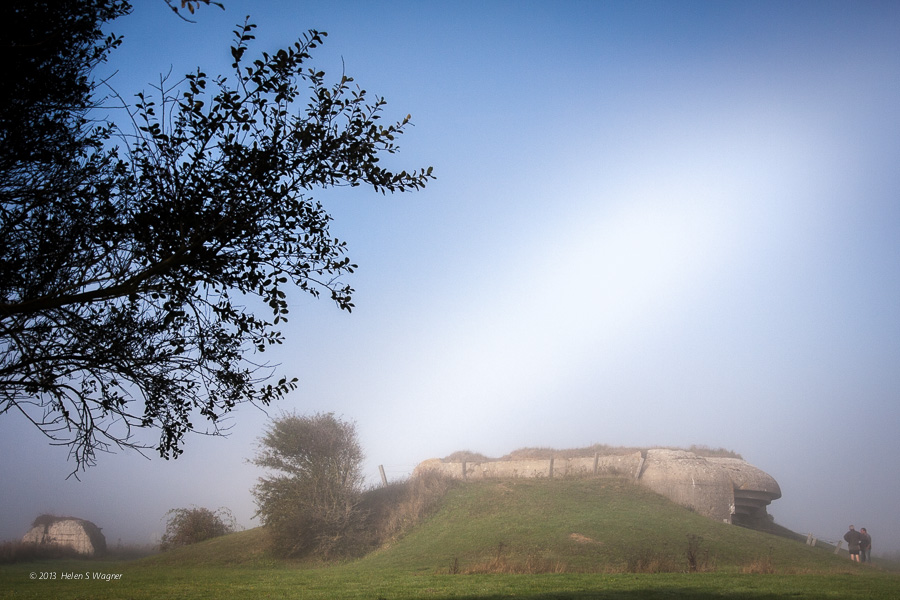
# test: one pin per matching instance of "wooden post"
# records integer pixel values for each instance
(383, 476)
(551, 467)
(596, 461)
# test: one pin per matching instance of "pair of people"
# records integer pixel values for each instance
(859, 543)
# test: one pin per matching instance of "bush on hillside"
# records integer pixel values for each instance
(191, 525)
(310, 502)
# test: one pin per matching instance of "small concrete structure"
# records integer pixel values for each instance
(82, 536)
(726, 489)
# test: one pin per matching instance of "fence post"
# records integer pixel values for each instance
(551, 467)
(383, 476)
(596, 461)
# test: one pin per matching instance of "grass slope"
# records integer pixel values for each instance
(245, 548)
(585, 525)
(580, 538)
(538, 525)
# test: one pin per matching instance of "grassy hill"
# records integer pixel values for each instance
(585, 525)
(545, 526)
(243, 548)
(598, 539)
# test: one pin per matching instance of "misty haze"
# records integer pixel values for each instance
(644, 252)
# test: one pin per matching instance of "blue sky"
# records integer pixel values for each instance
(653, 224)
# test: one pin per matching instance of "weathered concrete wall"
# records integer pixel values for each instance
(719, 488)
(625, 465)
(747, 477)
(691, 481)
(82, 536)
(754, 489)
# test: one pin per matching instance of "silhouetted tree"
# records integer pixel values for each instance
(311, 503)
(132, 258)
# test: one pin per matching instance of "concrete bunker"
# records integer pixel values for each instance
(69, 532)
(726, 489)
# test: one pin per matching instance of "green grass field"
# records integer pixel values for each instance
(516, 539)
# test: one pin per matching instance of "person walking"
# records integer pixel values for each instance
(853, 538)
(865, 545)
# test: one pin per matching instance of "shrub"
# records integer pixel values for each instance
(311, 504)
(698, 558)
(191, 525)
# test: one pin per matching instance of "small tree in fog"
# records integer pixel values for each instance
(311, 502)
(192, 525)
